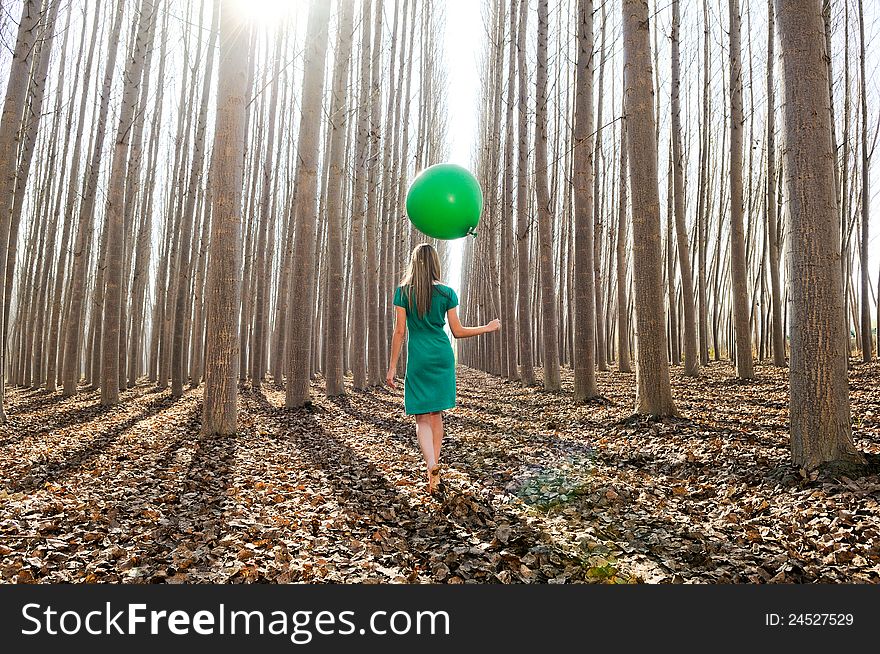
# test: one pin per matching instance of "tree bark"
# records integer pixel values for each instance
(115, 208)
(653, 393)
(79, 266)
(584, 297)
(772, 219)
(223, 294)
(10, 125)
(819, 400)
(867, 338)
(524, 310)
(301, 316)
(335, 366)
(549, 319)
(624, 363)
(738, 276)
(691, 359)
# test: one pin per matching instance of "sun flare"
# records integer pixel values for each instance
(266, 12)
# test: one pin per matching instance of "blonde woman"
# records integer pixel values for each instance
(423, 307)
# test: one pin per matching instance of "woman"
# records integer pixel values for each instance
(423, 306)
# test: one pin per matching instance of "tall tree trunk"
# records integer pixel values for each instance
(223, 293)
(116, 205)
(524, 311)
(373, 301)
(584, 297)
(598, 159)
(552, 381)
(772, 219)
(301, 313)
(263, 258)
(653, 393)
(624, 364)
(335, 366)
(867, 340)
(674, 345)
(744, 366)
(358, 348)
(703, 200)
(691, 359)
(183, 265)
(80, 263)
(10, 126)
(819, 401)
(508, 262)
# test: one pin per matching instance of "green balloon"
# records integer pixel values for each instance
(445, 201)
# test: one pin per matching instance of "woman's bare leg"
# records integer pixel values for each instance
(437, 429)
(425, 434)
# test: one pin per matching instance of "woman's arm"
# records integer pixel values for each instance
(467, 332)
(396, 344)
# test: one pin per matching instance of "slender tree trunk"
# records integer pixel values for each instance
(624, 363)
(772, 220)
(703, 200)
(819, 401)
(184, 265)
(552, 381)
(744, 366)
(79, 267)
(584, 297)
(653, 393)
(358, 349)
(115, 209)
(867, 340)
(335, 366)
(527, 371)
(373, 300)
(223, 295)
(45, 263)
(691, 359)
(10, 125)
(674, 345)
(301, 313)
(598, 159)
(508, 262)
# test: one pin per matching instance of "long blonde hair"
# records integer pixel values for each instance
(418, 282)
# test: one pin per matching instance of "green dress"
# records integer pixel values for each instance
(429, 384)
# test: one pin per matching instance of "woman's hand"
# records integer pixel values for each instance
(493, 326)
(389, 378)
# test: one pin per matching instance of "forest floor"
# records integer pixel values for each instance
(535, 489)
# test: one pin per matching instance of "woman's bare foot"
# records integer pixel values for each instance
(433, 479)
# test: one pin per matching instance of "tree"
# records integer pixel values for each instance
(10, 126)
(703, 200)
(819, 401)
(867, 339)
(115, 208)
(358, 347)
(374, 335)
(653, 393)
(524, 302)
(181, 282)
(772, 218)
(584, 296)
(508, 263)
(223, 293)
(300, 315)
(335, 365)
(623, 358)
(740, 308)
(552, 381)
(598, 160)
(691, 359)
